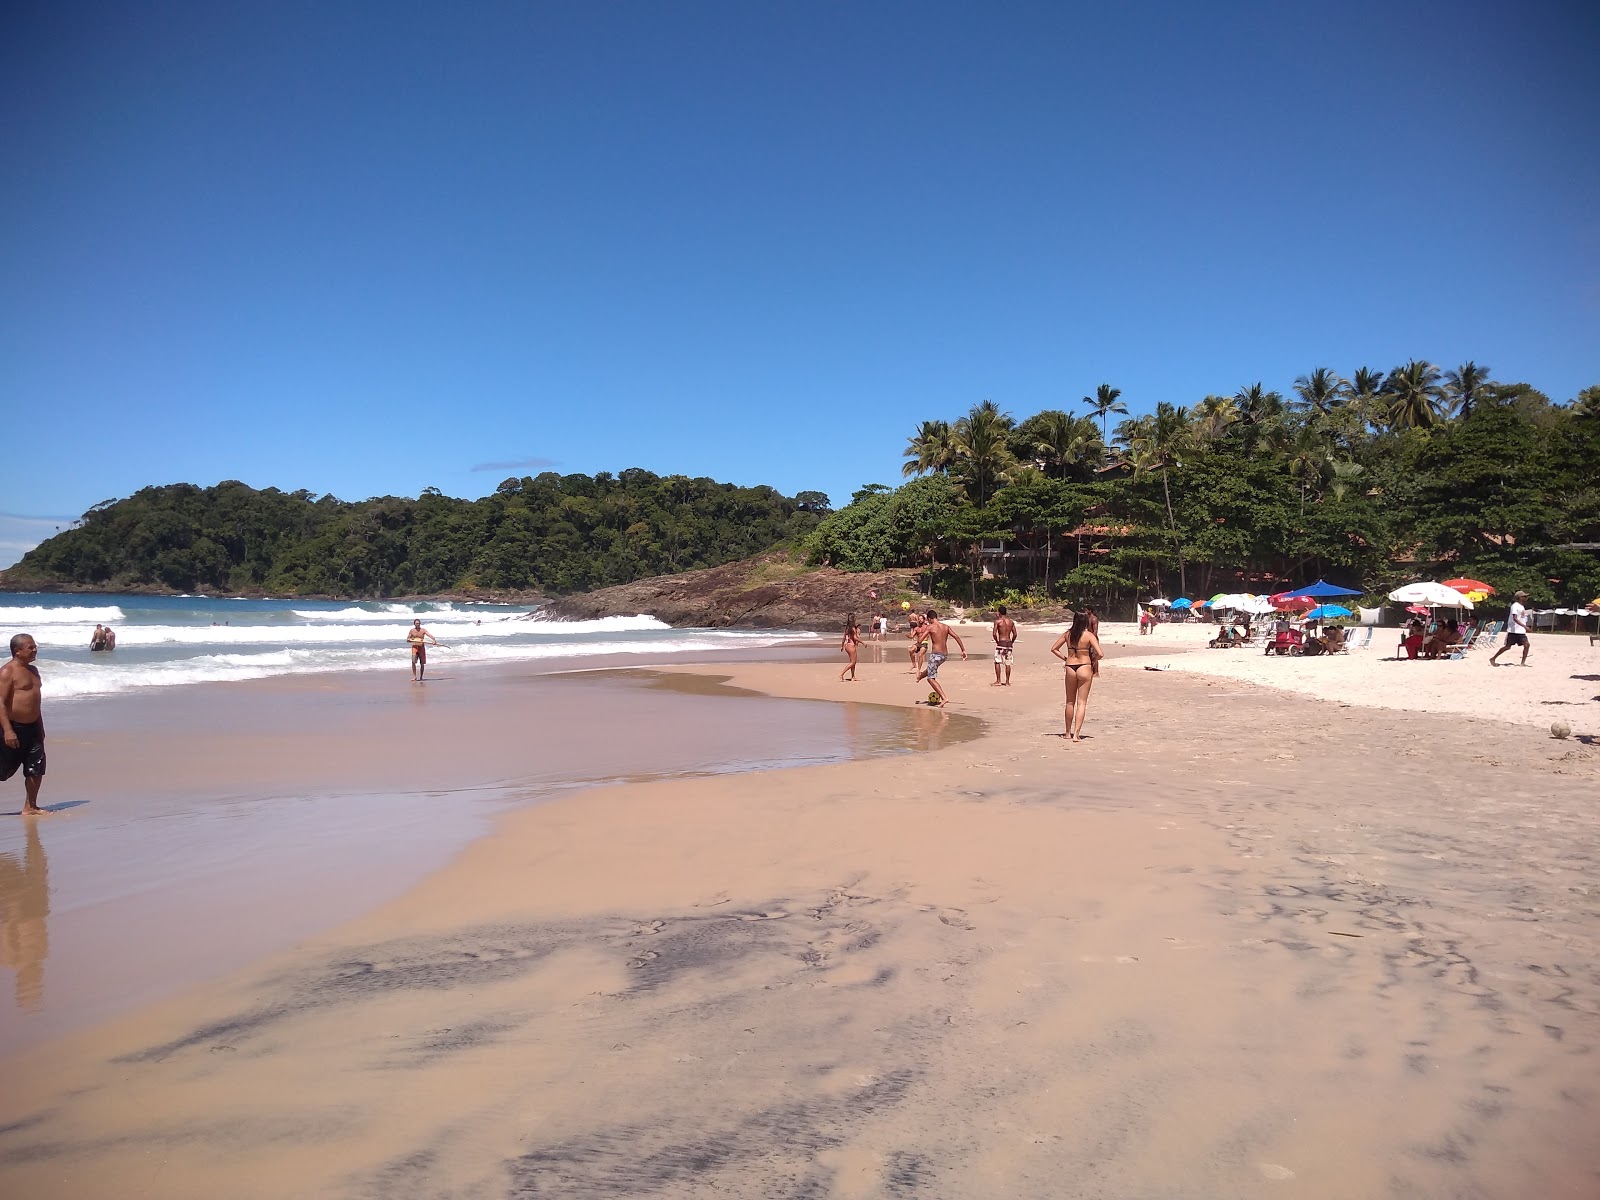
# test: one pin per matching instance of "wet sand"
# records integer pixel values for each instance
(1239, 943)
(196, 830)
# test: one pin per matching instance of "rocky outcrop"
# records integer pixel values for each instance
(775, 590)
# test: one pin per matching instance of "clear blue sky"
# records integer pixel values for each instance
(368, 248)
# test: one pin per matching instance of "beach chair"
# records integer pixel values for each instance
(1480, 640)
(1358, 639)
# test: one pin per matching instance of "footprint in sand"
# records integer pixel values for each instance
(956, 918)
(760, 916)
(1274, 1171)
(649, 956)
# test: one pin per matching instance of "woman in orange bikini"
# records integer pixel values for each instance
(1083, 663)
(849, 644)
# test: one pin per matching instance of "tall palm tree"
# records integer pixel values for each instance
(1414, 394)
(980, 439)
(1465, 386)
(1365, 392)
(1307, 455)
(1102, 404)
(1158, 442)
(932, 449)
(1064, 440)
(1320, 390)
(1214, 416)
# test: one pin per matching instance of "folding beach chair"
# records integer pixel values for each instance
(1484, 638)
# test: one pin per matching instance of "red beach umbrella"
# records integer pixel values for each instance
(1289, 603)
(1469, 585)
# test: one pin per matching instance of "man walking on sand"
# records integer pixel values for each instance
(21, 721)
(419, 637)
(1005, 641)
(1516, 629)
(938, 636)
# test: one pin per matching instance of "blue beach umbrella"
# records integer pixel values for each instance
(1321, 590)
(1182, 602)
(1327, 612)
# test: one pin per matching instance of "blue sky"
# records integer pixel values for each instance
(368, 248)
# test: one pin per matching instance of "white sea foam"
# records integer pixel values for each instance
(106, 676)
(24, 616)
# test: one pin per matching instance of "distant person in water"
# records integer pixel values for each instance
(22, 721)
(419, 637)
(1004, 632)
(850, 643)
(1082, 658)
(97, 640)
(111, 639)
(938, 635)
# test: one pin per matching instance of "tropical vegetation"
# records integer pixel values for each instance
(1372, 479)
(548, 533)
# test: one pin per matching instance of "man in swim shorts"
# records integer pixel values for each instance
(419, 637)
(22, 721)
(1004, 632)
(938, 636)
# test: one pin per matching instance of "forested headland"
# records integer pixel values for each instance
(547, 534)
(1371, 480)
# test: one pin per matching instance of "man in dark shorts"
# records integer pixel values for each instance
(419, 638)
(1516, 630)
(22, 721)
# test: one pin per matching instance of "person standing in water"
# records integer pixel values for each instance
(22, 721)
(938, 636)
(1004, 633)
(850, 643)
(419, 637)
(1082, 658)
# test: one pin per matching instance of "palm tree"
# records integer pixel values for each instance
(1344, 476)
(1320, 390)
(1214, 416)
(1064, 441)
(980, 439)
(1414, 394)
(1465, 386)
(1307, 455)
(1158, 442)
(1102, 404)
(931, 449)
(1365, 391)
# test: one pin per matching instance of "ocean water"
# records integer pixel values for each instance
(165, 641)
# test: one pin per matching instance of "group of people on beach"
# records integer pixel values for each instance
(1078, 648)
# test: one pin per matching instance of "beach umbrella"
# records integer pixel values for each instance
(1293, 603)
(1159, 603)
(1233, 600)
(1419, 610)
(1427, 592)
(1182, 602)
(1476, 597)
(1320, 590)
(1327, 612)
(1469, 585)
(1260, 606)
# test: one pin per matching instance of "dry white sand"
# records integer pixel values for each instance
(1239, 943)
(1560, 683)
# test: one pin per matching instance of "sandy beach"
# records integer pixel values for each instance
(1240, 942)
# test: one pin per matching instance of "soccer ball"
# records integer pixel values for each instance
(905, 605)
(1560, 729)
(933, 697)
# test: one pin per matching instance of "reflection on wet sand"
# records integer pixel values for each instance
(24, 910)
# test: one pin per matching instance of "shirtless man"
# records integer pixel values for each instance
(917, 635)
(418, 637)
(1005, 641)
(938, 636)
(21, 721)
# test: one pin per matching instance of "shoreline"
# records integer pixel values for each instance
(996, 966)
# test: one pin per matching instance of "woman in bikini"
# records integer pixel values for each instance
(1082, 658)
(849, 644)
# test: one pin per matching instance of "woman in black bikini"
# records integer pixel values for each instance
(1082, 659)
(849, 644)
